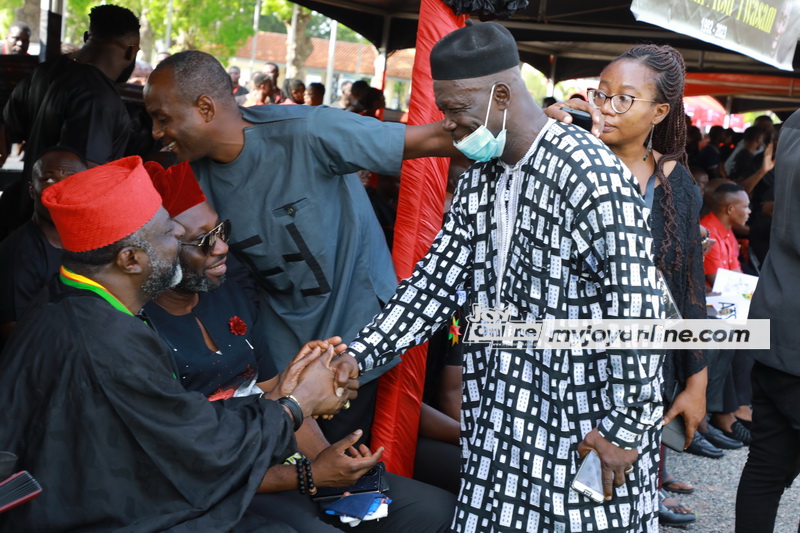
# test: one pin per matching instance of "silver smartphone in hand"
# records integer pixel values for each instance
(589, 480)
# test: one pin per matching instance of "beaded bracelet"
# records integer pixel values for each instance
(312, 489)
(301, 477)
(305, 478)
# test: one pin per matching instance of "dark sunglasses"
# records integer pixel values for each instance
(207, 241)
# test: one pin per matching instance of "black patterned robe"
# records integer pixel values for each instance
(93, 407)
(576, 245)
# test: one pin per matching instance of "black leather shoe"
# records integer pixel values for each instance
(720, 440)
(700, 446)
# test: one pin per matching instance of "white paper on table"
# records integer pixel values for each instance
(735, 293)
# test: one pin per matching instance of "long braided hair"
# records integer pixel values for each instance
(669, 135)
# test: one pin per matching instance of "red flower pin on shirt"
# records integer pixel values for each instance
(237, 325)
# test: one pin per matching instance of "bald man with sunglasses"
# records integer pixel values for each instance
(210, 325)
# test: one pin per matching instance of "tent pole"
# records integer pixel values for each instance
(51, 17)
(168, 33)
(383, 55)
(551, 81)
(291, 46)
(728, 106)
(256, 20)
(419, 218)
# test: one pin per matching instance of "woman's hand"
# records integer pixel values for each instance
(555, 111)
(691, 403)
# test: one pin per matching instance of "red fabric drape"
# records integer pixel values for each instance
(419, 217)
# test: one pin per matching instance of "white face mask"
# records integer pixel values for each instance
(481, 145)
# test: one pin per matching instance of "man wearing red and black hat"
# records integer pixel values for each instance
(91, 397)
(211, 326)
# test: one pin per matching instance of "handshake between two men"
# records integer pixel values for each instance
(317, 381)
(320, 381)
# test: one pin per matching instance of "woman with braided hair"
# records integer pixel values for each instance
(640, 95)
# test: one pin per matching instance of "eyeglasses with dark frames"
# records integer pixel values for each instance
(207, 242)
(620, 103)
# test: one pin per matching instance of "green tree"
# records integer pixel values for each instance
(319, 26)
(298, 50)
(76, 20)
(215, 27)
(219, 28)
(535, 81)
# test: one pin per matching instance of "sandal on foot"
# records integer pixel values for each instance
(667, 517)
(672, 486)
(678, 508)
(673, 515)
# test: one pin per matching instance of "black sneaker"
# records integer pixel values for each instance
(720, 440)
(700, 446)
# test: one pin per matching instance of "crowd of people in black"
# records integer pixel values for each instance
(153, 294)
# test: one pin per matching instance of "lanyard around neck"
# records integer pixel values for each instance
(72, 279)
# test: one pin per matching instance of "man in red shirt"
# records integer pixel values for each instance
(726, 398)
(730, 207)
(236, 89)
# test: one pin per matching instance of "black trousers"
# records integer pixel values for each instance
(721, 393)
(741, 368)
(774, 459)
(438, 463)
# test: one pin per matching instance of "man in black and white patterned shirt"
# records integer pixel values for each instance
(548, 224)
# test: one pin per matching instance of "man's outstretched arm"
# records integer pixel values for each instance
(421, 304)
(429, 140)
